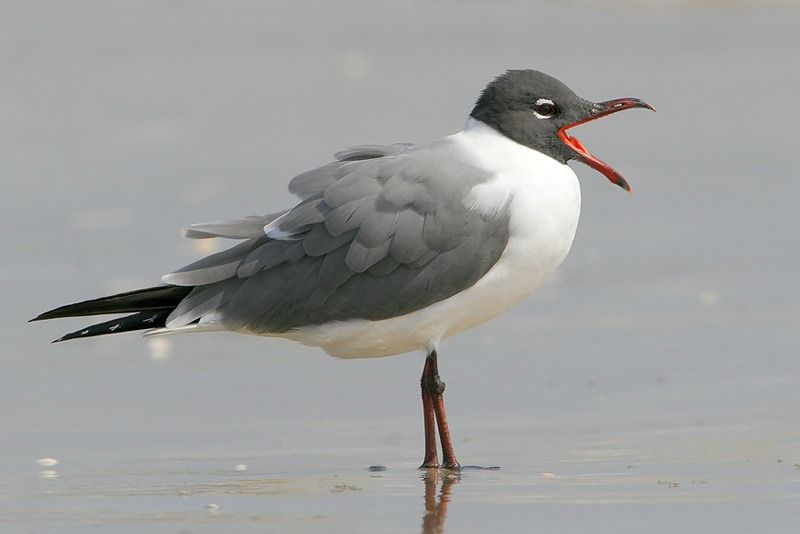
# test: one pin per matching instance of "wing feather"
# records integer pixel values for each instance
(349, 216)
(267, 254)
(371, 151)
(211, 269)
(406, 245)
(379, 225)
(239, 228)
(298, 219)
(319, 241)
(354, 186)
(361, 257)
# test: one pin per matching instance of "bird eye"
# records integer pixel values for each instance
(544, 108)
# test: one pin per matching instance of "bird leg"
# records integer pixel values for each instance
(431, 455)
(433, 410)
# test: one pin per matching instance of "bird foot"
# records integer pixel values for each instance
(434, 464)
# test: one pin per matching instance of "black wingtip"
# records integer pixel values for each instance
(68, 310)
(55, 313)
(83, 332)
(157, 298)
(138, 321)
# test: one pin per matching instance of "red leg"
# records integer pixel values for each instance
(450, 461)
(431, 456)
(435, 391)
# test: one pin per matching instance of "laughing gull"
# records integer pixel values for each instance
(393, 248)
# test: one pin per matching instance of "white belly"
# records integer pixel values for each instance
(543, 197)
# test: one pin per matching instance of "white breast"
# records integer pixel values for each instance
(543, 199)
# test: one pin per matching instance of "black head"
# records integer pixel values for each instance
(536, 110)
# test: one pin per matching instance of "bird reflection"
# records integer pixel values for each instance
(436, 508)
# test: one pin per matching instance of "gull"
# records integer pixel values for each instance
(393, 248)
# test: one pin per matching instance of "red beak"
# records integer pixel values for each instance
(601, 109)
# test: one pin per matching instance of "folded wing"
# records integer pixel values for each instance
(381, 232)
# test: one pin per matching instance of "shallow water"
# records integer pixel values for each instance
(651, 386)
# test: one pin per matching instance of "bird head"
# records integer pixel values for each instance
(536, 110)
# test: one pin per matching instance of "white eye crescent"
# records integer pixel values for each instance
(544, 108)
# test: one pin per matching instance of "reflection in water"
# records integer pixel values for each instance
(436, 509)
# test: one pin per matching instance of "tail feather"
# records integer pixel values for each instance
(137, 321)
(152, 298)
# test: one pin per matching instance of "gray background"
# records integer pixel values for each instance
(652, 385)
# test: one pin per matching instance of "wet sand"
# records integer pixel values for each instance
(554, 475)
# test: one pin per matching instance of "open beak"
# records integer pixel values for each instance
(598, 110)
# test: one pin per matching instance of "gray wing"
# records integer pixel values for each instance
(379, 233)
(317, 180)
(239, 228)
